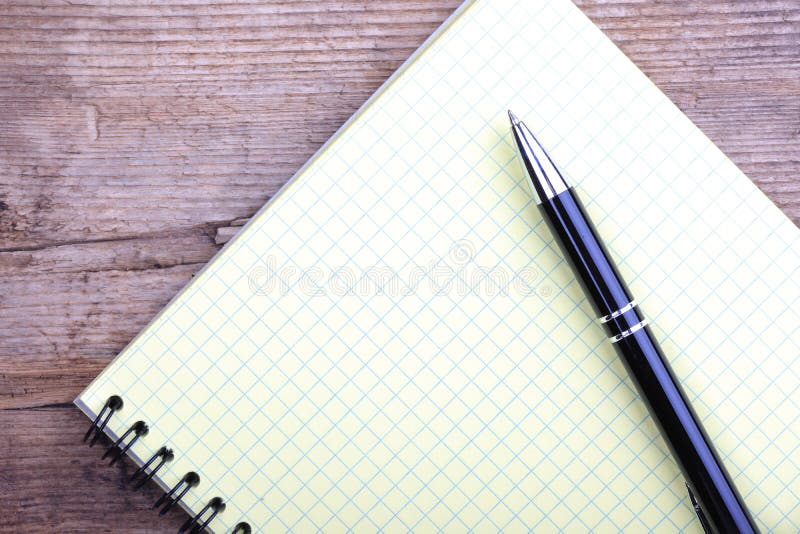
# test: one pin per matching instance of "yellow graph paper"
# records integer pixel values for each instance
(395, 343)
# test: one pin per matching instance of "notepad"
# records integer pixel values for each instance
(394, 342)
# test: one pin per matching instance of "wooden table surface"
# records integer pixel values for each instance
(135, 137)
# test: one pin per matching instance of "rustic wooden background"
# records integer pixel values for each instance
(136, 136)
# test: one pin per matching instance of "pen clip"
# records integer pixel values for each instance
(699, 511)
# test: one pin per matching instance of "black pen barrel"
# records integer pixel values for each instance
(643, 358)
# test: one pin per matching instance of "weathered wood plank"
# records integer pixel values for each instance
(51, 482)
(136, 138)
(73, 305)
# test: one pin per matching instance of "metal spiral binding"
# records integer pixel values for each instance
(194, 525)
(165, 454)
(139, 428)
(113, 404)
(189, 480)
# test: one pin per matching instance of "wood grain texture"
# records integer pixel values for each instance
(135, 138)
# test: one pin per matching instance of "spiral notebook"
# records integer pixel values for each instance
(395, 343)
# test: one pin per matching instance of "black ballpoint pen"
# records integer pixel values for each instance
(718, 504)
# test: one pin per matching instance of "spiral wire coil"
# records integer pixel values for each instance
(119, 448)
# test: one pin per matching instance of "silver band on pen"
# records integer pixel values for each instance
(613, 315)
(632, 330)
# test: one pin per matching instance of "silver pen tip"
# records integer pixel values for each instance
(543, 175)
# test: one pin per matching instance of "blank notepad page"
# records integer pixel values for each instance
(395, 342)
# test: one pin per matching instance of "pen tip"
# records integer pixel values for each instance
(514, 119)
